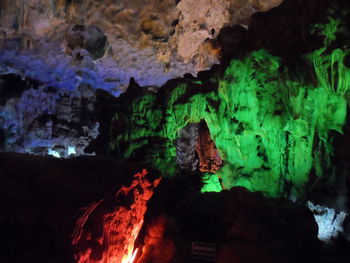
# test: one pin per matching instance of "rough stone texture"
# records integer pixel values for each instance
(90, 38)
(170, 37)
(264, 5)
(208, 154)
(186, 157)
(195, 150)
(245, 226)
(42, 199)
(330, 222)
(108, 229)
(35, 118)
(159, 242)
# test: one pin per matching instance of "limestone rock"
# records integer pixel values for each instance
(186, 148)
(208, 154)
(90, 38)
(108, 229)
(160, 241)
(264, 5)
(82, 59)
(170, 37)
(42, 200)
(36, 118)
(244, 227)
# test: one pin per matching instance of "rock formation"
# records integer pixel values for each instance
(108, 229)
(41, 119)
(240, 105)
(170, 37)
(43, 197)
(208, 154)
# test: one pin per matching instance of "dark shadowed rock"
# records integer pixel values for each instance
(90, 38)
(244, 226)
(161, 237)
(42, 199)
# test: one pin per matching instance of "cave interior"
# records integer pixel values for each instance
(174, 131)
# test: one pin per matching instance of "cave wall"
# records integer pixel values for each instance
(87, 208)
(272, 122)
(170, 37)
(52, 114)
(43, 198)
(40, 119)
(272, 111)
(70, 46)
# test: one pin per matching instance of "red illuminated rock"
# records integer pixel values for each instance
(243, 226)
(160, 244)
(42, 199)
(208, 154)
(108, 229)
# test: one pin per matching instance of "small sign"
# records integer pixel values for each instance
(203, 251)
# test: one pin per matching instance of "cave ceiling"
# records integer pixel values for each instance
(152, 41)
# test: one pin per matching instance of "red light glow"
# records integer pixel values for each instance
(107, 230)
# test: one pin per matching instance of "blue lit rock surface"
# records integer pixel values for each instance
(330, 222)
(149, 40)
(37, 118)
(65, 45)
(186, 157)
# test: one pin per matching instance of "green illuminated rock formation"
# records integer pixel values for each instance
(271, 123)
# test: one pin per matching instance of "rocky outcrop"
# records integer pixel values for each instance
(208, 154)
(40, 119)
(42, 199)
(160, 241)
(195, 150)
(251, 119)
(244, 227)
(186, 156)
(90, 38)
(170, 37)
(108, 229)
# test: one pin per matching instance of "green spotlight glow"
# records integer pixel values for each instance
(272, 130)
(211, 183)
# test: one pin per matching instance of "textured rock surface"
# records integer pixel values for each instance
(245, 227)
(330, 223)
(160, 241)
(208, 154)
(170, 37)
(195, 150)
(90, 38)
(264, 135)
(36, 118)
(42, 199)
(108, 229)
(186, 157)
